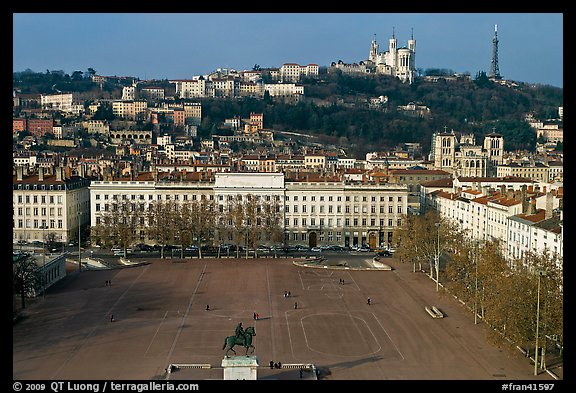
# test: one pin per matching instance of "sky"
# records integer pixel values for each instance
(183, 45)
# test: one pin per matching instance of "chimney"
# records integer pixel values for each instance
(530, 189)
(510, 193)
(19, 171)
(485, 190)
(549, 205)
(503, 190)
(532, 206)
(58, 173)
(524, 203)
(40, 174)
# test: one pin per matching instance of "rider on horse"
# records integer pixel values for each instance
(239, 332)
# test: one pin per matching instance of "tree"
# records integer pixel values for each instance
(77, 75)
(161, 225)
(120, 224)
(25, 277)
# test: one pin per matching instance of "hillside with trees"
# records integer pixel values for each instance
(336, 110)
(336, 107)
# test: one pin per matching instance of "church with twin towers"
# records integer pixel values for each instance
(398, 62)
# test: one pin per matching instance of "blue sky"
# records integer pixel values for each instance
(179, 46)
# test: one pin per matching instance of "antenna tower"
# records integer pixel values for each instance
(495, 71)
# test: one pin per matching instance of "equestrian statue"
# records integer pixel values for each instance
(242, 338)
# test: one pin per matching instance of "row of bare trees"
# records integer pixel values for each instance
(243, 221)
(513, 297)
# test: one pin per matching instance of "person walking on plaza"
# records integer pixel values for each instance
(295, 305)
(369, 301)
(255, 316)
(207, 307)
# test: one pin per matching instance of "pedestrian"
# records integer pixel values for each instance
(111, 317)
(254, 316)
(369, 302)
(207, 307)
(257, 316)
(271, 364)
(301, 372)
(279, 365)
(285, 294)
(342, 281)
(289, 294)
(295, 305)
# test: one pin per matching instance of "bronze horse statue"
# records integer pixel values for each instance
(245, 341)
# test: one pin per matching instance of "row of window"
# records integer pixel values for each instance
(356, 209)
(37, 210)
(330, 222)
(36, 224)
(42, 199)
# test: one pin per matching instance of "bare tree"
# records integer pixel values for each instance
(26, 277)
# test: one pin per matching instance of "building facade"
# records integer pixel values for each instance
(48, 205)
(313, 211)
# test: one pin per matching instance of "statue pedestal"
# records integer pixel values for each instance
(240, 367)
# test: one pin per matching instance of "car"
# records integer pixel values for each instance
(316, 249)
(364, 249)
(119, 253)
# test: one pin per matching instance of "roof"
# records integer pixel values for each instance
(419, 172)
(439, 183)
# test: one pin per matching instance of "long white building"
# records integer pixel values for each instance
(315, 211)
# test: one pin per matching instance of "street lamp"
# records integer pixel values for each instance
(43, 227)
(438, 258)
(475, 257)
(79, 251)
(539, 273)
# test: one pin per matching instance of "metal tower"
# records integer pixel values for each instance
(495, 70)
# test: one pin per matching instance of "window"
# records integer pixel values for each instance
(355, 208)
(322, 209)
(355, 222)
(97, 207)
(399, 209)
(321, 198)
(390, 209)
(329, 208)
(295, 208)
(390, 222)
(35, 198)
(329, 199)
(295, 222)
(303, 208)
(347, 222)
(363, 199)
(287, 209)
(303, 222)
(373, 209)
(312, 221)
(389, 199)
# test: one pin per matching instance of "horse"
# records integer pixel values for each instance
(245, 341)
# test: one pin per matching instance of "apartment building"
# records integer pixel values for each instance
(52, 201)
(314, 210)
(60, 102)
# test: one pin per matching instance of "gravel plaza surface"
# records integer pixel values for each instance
(160, 318)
